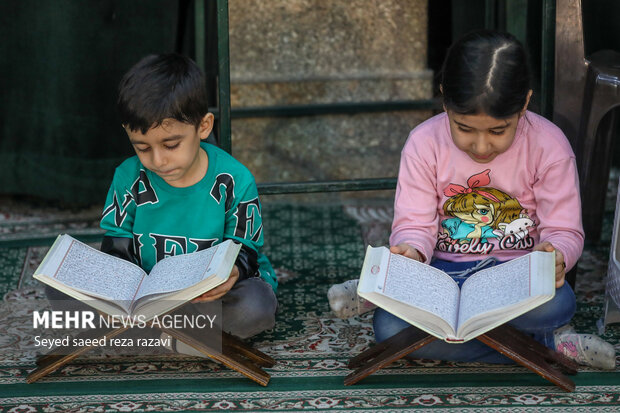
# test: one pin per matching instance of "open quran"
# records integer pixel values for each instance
(119, 287)
(431, 300)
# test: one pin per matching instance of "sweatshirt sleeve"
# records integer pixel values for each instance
(120, 208)
(558, 208)
(244, 225)
(415, 204)
(244, 222)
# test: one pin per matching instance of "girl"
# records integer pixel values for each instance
(482, 183)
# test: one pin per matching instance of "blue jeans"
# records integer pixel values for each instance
(539, 323)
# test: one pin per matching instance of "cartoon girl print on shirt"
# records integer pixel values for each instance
(481, 213)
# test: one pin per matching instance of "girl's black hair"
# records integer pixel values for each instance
(160, 87)
(486, 72)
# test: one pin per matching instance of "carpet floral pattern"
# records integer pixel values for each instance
(312, 246)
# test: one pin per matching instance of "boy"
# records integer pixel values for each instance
(180, 195)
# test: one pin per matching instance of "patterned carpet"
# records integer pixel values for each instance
(313, 246)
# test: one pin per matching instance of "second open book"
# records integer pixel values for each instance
(431, 300)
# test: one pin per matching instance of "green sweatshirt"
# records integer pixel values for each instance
(164, 220)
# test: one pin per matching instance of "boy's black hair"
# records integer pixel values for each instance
(486, 72)
(160, 87)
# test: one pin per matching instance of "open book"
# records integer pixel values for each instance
(431, 300)
(119, 287)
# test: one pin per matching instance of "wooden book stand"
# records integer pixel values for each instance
(506, 339)
(234, 353)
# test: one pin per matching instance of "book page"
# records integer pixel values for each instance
(495, 287)
(96, 273)
(422, 286)
(180, 271)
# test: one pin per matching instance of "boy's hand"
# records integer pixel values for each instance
(220, 290)
(560, 265)
(407, 251)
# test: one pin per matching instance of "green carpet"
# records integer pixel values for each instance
(312, 247)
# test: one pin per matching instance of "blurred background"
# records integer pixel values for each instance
(60, 138)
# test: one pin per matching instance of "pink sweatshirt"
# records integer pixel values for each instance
(529, 194)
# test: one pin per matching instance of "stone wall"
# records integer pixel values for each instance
(323, 51)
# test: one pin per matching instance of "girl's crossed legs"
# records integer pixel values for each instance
(545, 323)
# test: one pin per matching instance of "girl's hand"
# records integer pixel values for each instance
(220, 290)
(560, 265)
(407, 251)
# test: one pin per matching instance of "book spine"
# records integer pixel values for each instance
(217, 246)
(133, 299)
